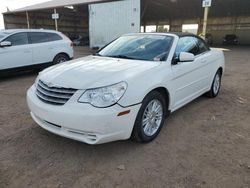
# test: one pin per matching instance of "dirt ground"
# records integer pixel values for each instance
(205, 144)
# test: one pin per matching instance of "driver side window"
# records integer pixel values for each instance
(18, 39)
(187, 44)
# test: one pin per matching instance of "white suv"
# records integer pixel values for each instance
(29, 48)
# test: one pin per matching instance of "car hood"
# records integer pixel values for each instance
(93, 72)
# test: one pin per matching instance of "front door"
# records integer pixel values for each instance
(189, 78)
(19, 54)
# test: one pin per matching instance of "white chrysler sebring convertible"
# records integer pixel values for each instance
(127, 89)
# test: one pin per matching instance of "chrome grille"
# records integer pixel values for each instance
(53, 95)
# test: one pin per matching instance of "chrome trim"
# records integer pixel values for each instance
(53, 95)
(55, 89)
(50, 94)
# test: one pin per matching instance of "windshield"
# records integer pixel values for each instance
(139, 47)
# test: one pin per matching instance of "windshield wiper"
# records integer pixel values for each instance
(96, 54)
(121, 56)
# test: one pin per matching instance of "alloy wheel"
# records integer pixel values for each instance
(152, 117)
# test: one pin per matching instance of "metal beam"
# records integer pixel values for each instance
(56, 24)
(204, 31)
(27, 19)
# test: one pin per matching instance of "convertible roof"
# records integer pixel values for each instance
(179, 34)
(182, 34)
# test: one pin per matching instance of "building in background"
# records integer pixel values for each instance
(97, 22)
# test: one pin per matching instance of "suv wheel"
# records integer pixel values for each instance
(60, 58)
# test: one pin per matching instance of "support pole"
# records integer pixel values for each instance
(56, 24)
(204, 31)
(5, 24)
(157, 27)
(170, 25)
(28, 20)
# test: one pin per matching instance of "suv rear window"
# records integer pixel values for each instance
(41, 37)
(54, 37)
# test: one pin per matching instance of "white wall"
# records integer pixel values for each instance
(107, 21)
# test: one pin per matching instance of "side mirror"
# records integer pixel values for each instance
(5, 44)
(186, 57)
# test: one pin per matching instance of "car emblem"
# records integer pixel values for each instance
(50, 84)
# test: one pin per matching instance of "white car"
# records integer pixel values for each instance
(127, 89)
(32, 48)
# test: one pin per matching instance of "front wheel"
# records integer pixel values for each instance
(215, 88)
(150, 118)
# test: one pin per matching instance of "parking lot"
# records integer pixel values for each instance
(204, 144)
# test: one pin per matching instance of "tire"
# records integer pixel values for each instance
(147, 125)
(60, 58)
(215, 88)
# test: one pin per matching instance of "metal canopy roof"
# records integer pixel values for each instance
(184, 9)
(153, 10)
(54, 4)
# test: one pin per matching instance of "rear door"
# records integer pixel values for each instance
(19, 54)
(190, 79)
(42, 46)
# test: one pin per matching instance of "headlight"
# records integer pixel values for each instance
(105, 96)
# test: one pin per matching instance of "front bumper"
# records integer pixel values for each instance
(83, 122)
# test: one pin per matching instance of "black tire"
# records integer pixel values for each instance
(215, 92)
(138, 133)
(60, 58)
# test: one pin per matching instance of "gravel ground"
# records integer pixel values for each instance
(204, 144)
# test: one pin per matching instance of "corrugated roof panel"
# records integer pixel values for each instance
(54, 4)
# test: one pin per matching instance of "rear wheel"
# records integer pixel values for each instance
(60, 58)
(215, 88)
(150, 118)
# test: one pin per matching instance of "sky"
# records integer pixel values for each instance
(14, 4)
